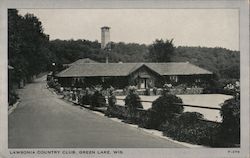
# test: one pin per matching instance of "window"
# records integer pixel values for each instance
(174, 78)
(198, 80)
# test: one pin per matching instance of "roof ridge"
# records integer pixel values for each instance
(63, 71)
(135, 68)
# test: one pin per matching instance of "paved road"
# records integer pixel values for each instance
(42, 120)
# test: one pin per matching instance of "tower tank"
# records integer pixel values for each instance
(105, 36)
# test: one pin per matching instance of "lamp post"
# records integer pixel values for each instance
(53, 68)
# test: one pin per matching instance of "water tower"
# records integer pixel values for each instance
(105, 37)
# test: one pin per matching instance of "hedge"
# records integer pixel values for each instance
(229, 132)
(163, 110)
(188, 127)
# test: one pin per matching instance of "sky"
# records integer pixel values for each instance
(188, 27)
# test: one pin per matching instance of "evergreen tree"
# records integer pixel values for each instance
(161, 51)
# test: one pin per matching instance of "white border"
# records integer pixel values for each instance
(242, 5)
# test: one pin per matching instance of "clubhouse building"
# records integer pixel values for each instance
(88, 73)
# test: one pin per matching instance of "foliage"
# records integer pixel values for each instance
(97, 99)
(112, 103)
(86, 97)
(164, 110)
(67, 51)
(53, 84)
(132, 100)
(229, 132)
(147, 91)
(220, 86)
(223, 62)
(27, 46)
(27, 50)
(128, 52)
(112, 100)
(188, 127)
(161, 51)
(12, 97)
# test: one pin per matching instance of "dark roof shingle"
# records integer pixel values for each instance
(174, 68)
(124, 69)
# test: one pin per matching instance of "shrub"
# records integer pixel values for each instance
(12, 97)
(86, 97)
(51, 83)
(97, 99)
(155, 91)
(132, 102)
(188, 127)
(188, 118)
(229, 133)
(111, 102)
(163, 110)
(147, 91)
(220, 86)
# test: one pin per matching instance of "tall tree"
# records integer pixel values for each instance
(27, 45)
(161, 51)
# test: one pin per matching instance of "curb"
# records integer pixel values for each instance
(13, 107)
(152, 132)
(85, 106)
(51, 90)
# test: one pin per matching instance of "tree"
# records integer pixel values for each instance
(161, 51)
(35, 44)
(28, 50)
(222, 62)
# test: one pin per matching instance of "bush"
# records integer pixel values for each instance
(220, 86)
(51, 83)
(229, 134)
(188, 127)
(164, 110)
(86, 97)
(155, 91)
(97, 99)
(132, 102)
(111, 102)
(12, 97)
(147, 91)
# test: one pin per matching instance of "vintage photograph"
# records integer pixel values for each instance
(124, 78)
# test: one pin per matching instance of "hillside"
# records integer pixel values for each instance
(224, 62)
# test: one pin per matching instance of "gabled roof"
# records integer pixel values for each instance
(174, 68)
(124, 69)
(98, 69)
